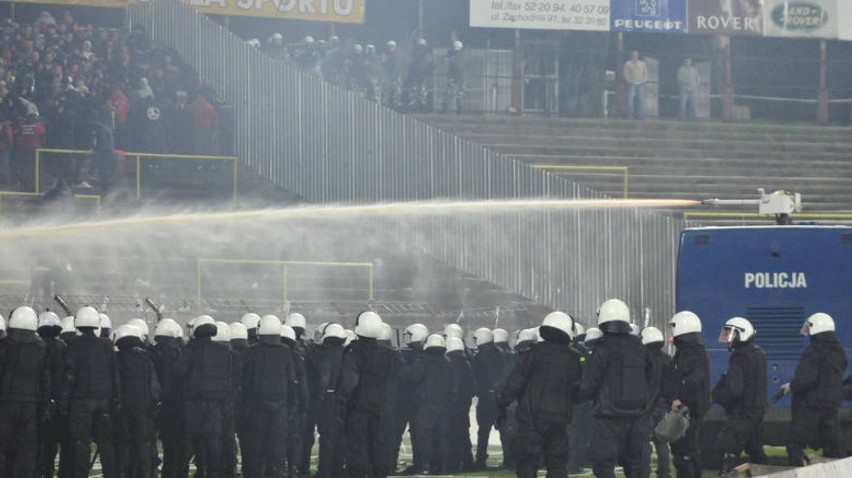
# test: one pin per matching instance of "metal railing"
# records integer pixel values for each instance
(138, 164)
(331, 146)
(36, 195)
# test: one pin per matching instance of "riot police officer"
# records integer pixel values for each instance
(817, 391)
(463, 389)
(207, 368)
(329, 411)
(90, 393)
(689, 386)
(171, 421)
(363, 381)
(433, 377)
(24, 389)
(741, 391)
(269, 388)
(652, 339)
(543, 383)
(53, 429)
(489, 365)
(617, 378)
(138, 400)
(406, 400)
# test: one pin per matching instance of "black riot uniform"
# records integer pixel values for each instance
(817, 394)
(406, 402)
(618, 378)
(140, 397)
(741, 391)
(309, 419)
(582, 420)
(662, 363)
(91, 389)
(207, 368)
(329, 412)
(463, 389)
(507, 433)
(543, 383)
(295, 439)
(24, 390)
(489, 365)
(432, 376)
(171, 421)
(53, 429)
(363, 382)
(690, 383)
(269, 386)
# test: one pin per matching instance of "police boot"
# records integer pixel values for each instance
(293, 472)
(729, 462)
(796, 456)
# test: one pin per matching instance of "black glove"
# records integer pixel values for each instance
(501, 419)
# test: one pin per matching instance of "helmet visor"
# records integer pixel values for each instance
(670, 335)
(726, 335)
(406, 337)
(806, 329)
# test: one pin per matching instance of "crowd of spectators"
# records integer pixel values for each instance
(66, 85)
(398, 79)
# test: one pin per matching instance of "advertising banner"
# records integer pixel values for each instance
(655, 16)
(541, 14)
(338, 11)
(800, 18)
(725, 17)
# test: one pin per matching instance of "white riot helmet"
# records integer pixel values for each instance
(87, 317)
(559, 321)
(652, 335)
(579, 329)
(454, 344)
(334, 331)
(48, 319)
(454, 330)
(421, 41)
(2, 323)
(167, 328)
(415, 333)
(736, 330)
(538, 337)
(106, 323)
(685, 322)
(501, 336)
(23, 318)
(592, 334)
(254, 43)
(269, 325)
(276, 39)
(613, 310)
(527, 335)
(223, 332)
(434, 341)
(126, 330)
(143, 326)
(287, 332)
(296, 320)
(386, 333)
(368, 325)
(308, 40)
(238, 331)
(250, 320)
(67, 325)
(818, 323)
(201, 321)
(457, 45)
(483, 336)
(391, 45)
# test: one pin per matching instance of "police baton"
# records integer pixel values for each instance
(776, 398)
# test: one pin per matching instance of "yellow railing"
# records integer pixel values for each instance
(285, 265)
(139, 157)
(624, 170)
(93, 197)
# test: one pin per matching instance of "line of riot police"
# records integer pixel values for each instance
(253, 392)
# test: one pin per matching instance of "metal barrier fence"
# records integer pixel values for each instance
(38, 197)
(331, 146)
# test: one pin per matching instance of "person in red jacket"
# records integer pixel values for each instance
(30, 138)
(205, 124)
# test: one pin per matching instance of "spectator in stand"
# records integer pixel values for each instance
(688, 81)
(6, 145)
(31, 138)
(205, 124)
(121, 104)
(635, 73)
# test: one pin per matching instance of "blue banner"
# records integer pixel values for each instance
(652, 16)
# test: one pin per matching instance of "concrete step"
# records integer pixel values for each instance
(673, 152)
